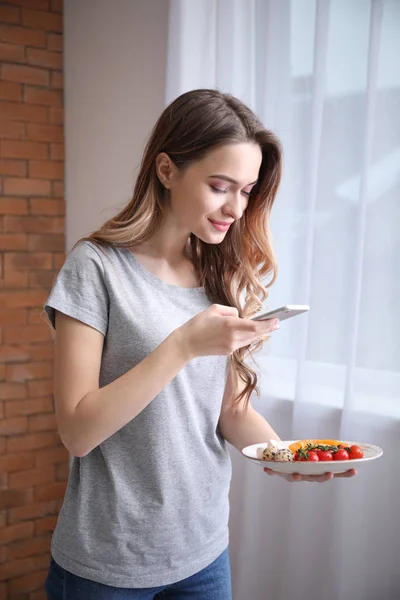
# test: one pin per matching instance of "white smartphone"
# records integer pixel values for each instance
(282, 313)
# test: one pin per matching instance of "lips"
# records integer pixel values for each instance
(220, 225)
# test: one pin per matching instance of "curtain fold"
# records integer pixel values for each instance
(324, 76)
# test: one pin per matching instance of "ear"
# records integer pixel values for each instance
(166, 169)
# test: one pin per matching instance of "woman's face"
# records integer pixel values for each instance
(212, 190)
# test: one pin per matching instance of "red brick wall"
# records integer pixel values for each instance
(33, 463)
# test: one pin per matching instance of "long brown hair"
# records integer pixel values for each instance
(192, 125)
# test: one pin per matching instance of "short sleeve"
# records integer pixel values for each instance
(80, 289)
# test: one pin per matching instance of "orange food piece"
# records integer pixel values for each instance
(303, 444)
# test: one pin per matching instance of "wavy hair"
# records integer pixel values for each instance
(191, 126)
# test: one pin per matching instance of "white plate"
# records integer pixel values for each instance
(313, 468)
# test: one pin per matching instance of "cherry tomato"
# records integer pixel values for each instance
(341, 454)
(343, 446)
(313, 456)
(325, 455)
(355, 452)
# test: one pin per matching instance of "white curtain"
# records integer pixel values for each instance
(325, 76)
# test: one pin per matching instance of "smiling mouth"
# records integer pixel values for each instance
(220, 225)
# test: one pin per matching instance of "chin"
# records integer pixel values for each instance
(211, 239)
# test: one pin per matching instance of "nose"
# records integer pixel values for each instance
(235, 205)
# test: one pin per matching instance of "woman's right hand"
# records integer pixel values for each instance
(219, 331)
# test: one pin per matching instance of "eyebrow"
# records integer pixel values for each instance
(226, 178)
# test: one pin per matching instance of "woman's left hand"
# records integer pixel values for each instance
(319, 478)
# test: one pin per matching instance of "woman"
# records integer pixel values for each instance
(152, 329)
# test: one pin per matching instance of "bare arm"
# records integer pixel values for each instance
(87, 415)
(239, 426)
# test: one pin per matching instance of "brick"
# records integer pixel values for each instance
(25, 74)
(46, 169)
(45, 133)
(57, 151)
(14, 498)
(31, 478)
(33, 224)
(35, 4)
(41, 96)
(43, 351)
(11, 391)
(58, 261)
(39, 595)
(13, 168)
(22, 566)
(42, 422)
(56, 80)
(29, 371)
(26, 187)
(41, 279)
(13, 426)
(13, 241)
(37, 545)
(57, 6)
(46, 206)
(50, 491)
(3, 519)
(16, 462)
(14, 280)
(2, 445)
(2, 378)
(28, 583)
(13, 353)
(11, 129)
(27, 334)
(46, 243)
(57, 189)
(9, 14)
(13, 206)
(42, 20)
(55, 42)
(23, 149)
(19, 531)
(12, 53)
(62, 472)
(32, 511)
(28, 407)
(53, 456)
(56, 116)
(10, 91)
(32, 441)
(12, 316)
(3, 481)
(45, 525)
(36, 389)
(45, 58)
(23, 36)
(28, 298)
(23, 112)
(25, 260)
(36, 316)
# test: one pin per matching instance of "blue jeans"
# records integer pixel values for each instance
(211, 583)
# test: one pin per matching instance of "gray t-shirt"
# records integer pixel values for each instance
(148, 506)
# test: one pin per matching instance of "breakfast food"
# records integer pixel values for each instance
(325, 450)
(270, 451)
(310, 450)
(284, 455)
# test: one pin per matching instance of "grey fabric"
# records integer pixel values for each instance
(149, 506)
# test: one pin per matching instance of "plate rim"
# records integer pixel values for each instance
(351, 462)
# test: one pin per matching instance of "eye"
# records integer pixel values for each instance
(246, 194)
(218, 190)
